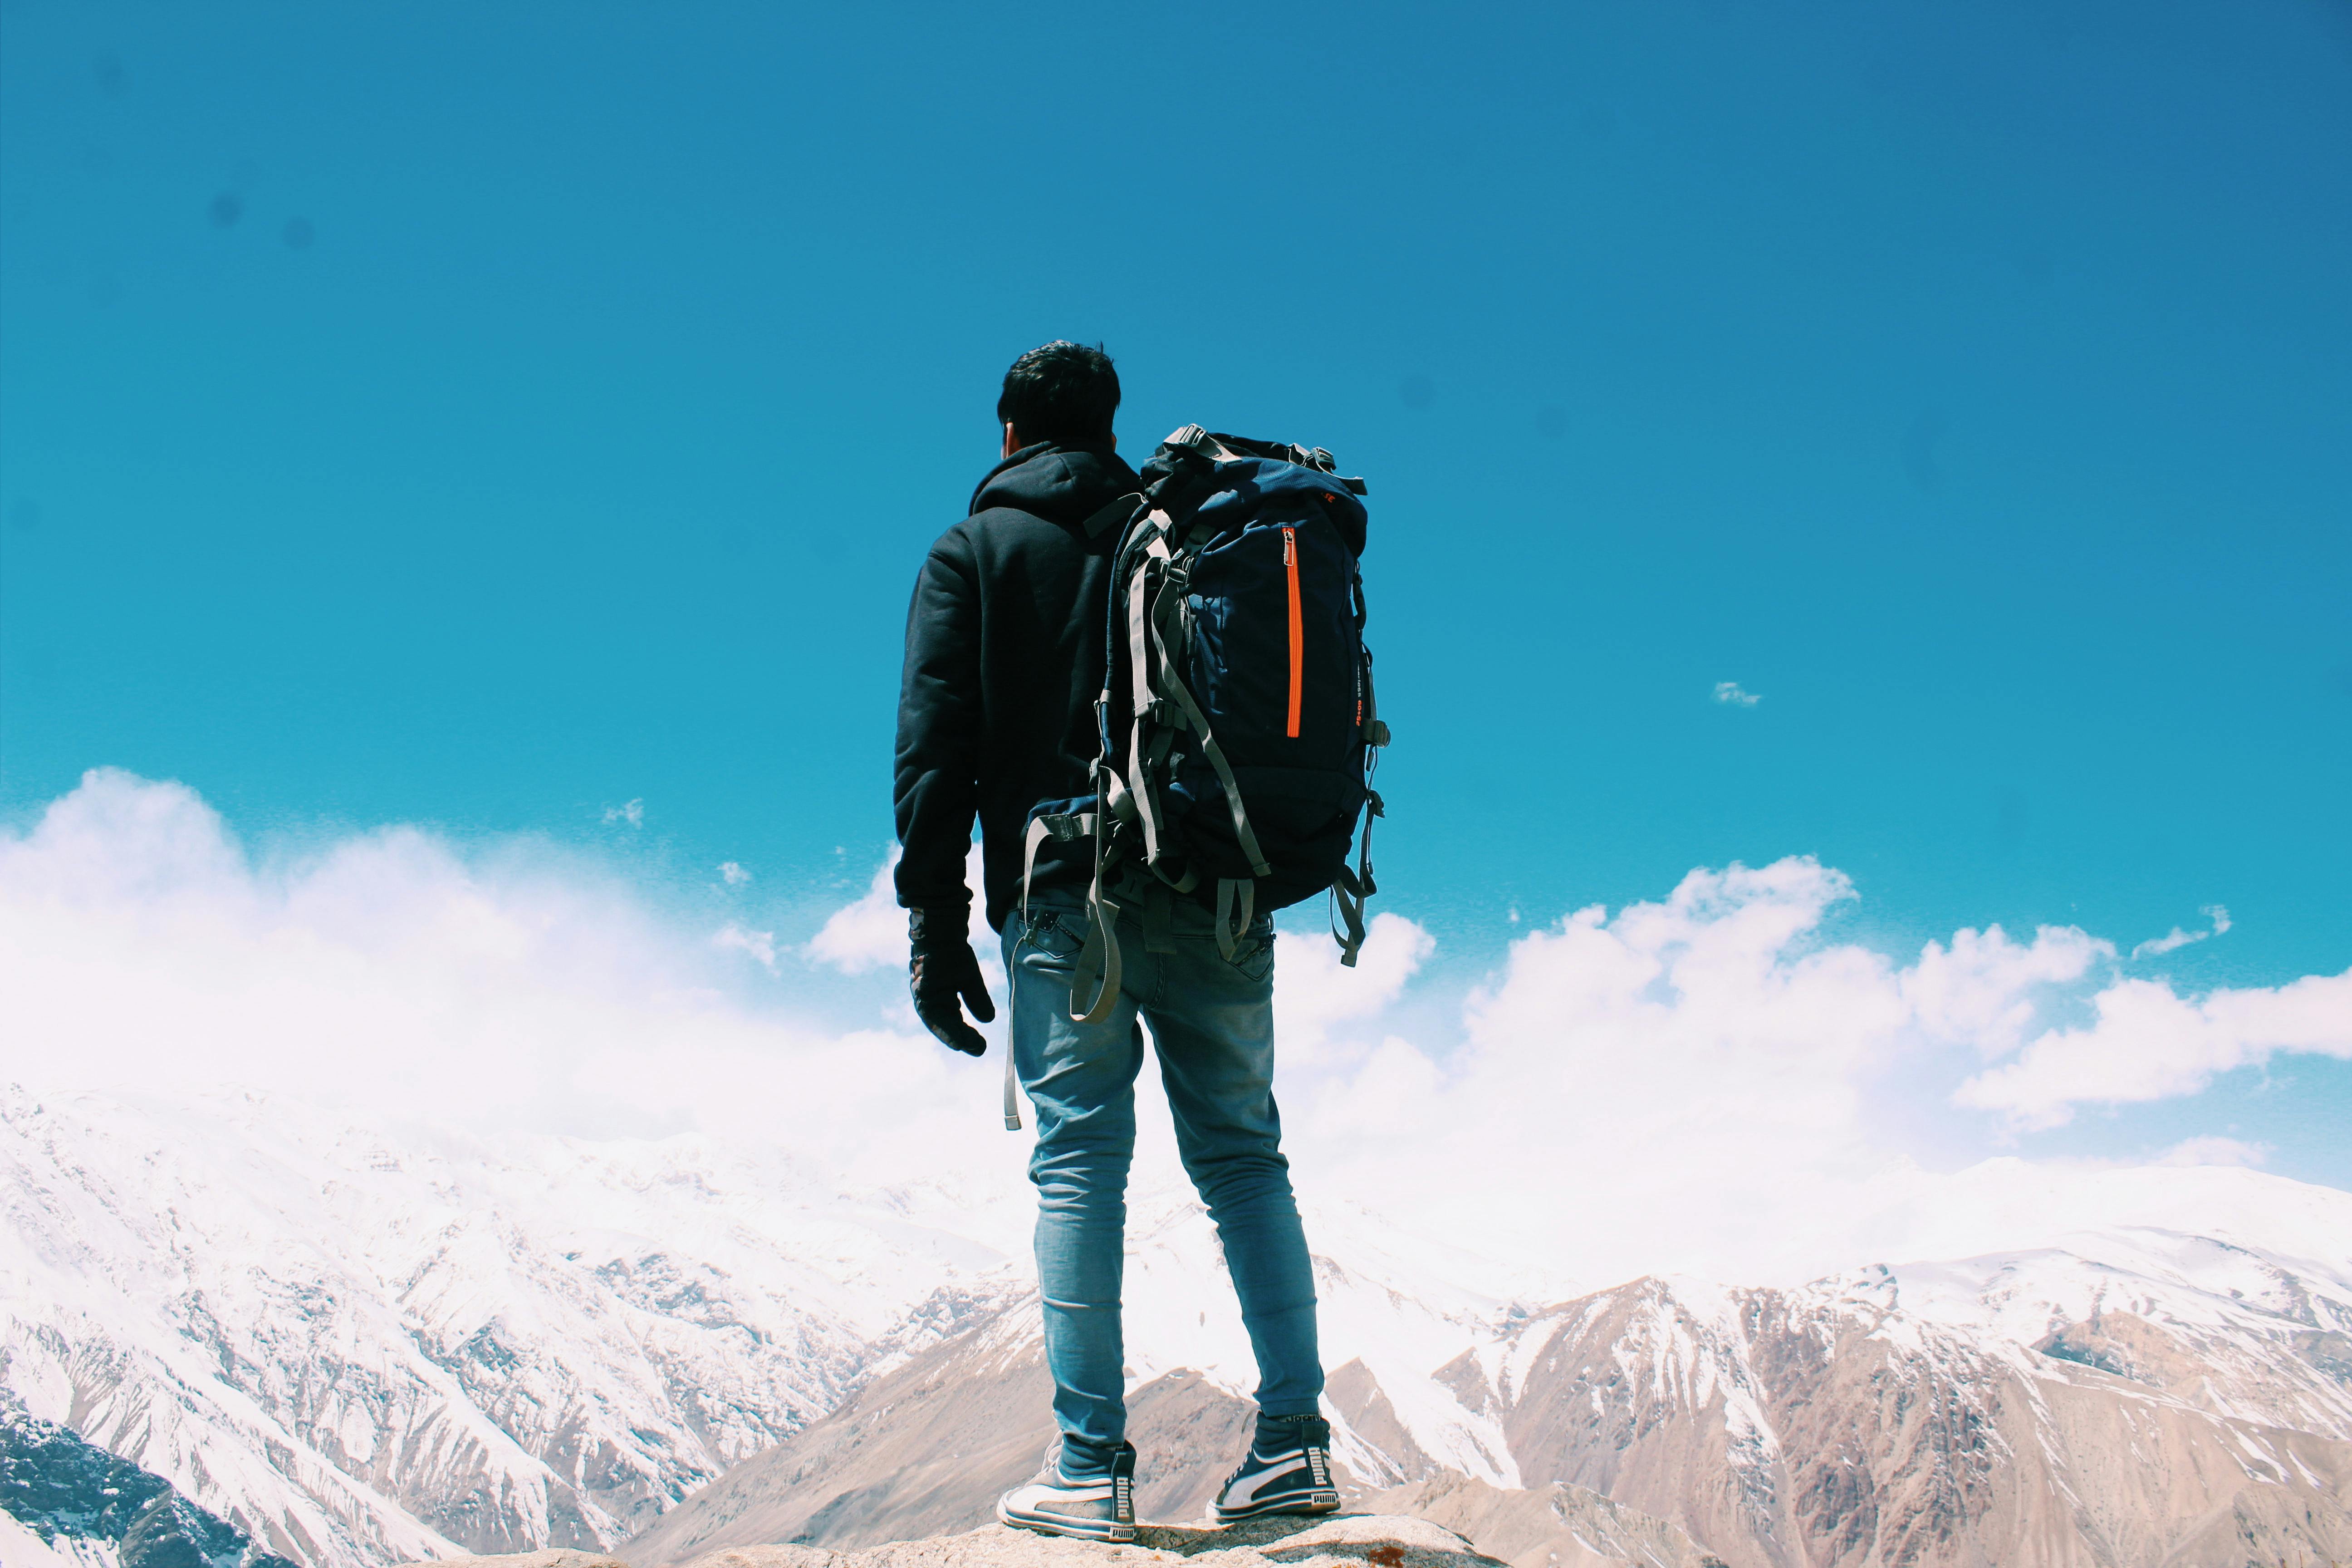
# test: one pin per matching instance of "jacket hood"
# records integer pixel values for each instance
(1061, 484)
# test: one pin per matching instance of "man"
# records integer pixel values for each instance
(1005, 661)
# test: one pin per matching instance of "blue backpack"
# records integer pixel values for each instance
(1239, 732)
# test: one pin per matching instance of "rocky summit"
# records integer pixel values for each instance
(1344, 1541)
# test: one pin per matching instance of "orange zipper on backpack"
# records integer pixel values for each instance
(1298, 628)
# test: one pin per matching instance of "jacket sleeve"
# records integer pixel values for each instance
(937, 788)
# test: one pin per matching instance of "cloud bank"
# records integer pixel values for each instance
(1695, 1083)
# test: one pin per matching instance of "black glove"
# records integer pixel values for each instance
(943, 972)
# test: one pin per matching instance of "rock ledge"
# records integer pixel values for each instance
(1339, 1541)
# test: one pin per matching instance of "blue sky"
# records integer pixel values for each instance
(487, 420)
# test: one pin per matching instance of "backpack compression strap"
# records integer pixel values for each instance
(1159, 685)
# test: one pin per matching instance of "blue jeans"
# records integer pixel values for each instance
(1212, 1021)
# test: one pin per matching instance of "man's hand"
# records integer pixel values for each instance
(943, 973)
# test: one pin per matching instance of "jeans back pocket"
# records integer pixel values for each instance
(1050, 935)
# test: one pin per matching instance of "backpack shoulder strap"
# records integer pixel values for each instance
(1116, 514)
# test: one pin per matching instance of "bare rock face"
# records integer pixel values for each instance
(1555, 1526)
(1830, 1429)
(1342, 1541)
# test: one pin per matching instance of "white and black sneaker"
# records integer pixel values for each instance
(1288, 1471)
(1054, 1504)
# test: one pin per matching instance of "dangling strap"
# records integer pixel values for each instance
(1100, 955)
(1013, 1005)
(1139, 659)
(1350, 888)
(1098, 960)
(1158, 917)
(1158, 684)
(1231, 891)
(1062, 828)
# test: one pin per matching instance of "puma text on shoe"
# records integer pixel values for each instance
(1091, 1509)
(1285, 1473)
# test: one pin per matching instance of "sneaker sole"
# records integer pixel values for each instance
(1063, 1524)
(1316, 1501)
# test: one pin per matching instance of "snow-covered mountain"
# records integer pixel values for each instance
(364, 1345)
(2139, 1398)
(364, 1342)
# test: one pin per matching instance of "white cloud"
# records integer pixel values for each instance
(632, 813)
(759, 944)
(1679, 1086)
(2215, 1152)
(1982, 989)
(1700, 1083)
(2148, 1042)
(2178, 937)
(1313, 991)
(1729, 691)
(871, 933)
(141, 947)
(732, 874)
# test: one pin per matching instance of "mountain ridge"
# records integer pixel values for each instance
(1827, 1424)
(362, 1343)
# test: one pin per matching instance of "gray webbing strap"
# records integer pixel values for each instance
(1100, 957)
(1013, 1012)
(1061, 827)
(1174, 690)
(1159, 918)
(1348, 901)
(1350, 888)
(1118, 511)
(1139, 668)
(1229, 930)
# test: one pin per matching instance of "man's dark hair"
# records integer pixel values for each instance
(1064, 392)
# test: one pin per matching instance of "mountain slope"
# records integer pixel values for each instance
(2149, 1398)
(362, 1346)
(362, 1343)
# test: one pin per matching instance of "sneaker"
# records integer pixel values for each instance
(1091, 1510)
(1288, 1471)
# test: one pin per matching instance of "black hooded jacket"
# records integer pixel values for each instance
(1005, 661)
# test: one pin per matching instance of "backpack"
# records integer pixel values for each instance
(1238, 730)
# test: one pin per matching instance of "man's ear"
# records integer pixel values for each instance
(1011, 440)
